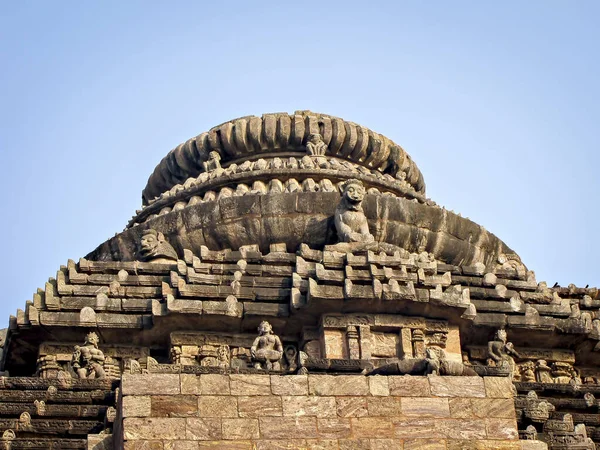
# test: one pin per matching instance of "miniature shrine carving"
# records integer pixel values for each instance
(88, 359)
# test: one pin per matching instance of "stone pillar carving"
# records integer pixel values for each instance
(353, 343)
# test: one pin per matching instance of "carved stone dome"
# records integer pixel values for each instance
(276, 179)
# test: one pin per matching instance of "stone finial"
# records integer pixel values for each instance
(88, 359)
(155, 248)
(266, 350)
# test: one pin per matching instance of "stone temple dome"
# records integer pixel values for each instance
(255, 180)
(288, 284)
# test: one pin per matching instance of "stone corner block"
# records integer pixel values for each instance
(346, 385)
(151, 383)
(136, 406)
(250, 384)
(289, 384)
(499, 387)
(448, 386)
(379, 386)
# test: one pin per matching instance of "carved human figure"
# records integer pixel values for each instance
(350, 220)
(266, 350)
(88, 359)
(315, 145)
(501, 352)
(213, 162)
(542, 372)
(223, 355)
(155, 248)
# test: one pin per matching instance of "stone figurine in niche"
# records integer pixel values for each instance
(213, 162)
(155, 248)
(88, 359)
(351, 223)
(266, 350)
(501, 352)
(315, 145)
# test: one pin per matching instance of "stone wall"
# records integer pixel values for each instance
(242, 411)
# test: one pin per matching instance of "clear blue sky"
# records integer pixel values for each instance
(497, 102)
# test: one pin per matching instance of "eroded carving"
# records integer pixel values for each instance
(501, 352)
(315, 145)
(155, 248)
(88, 359)
(266, 349)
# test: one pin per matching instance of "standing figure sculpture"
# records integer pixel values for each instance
(88, 359)
(501, 352)
(155, 248)
(266, 350)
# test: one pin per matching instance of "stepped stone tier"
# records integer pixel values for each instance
(287, 284)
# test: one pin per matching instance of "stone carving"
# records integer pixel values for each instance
(88, 359)
(155, 248)
(537, 410)
(213, 162)
(527, 370)
(291, 357)
(352, 226)
(266, 350)
(435, 362)
(543, 372)
(529, 434)
(315, 145)
(501, 352)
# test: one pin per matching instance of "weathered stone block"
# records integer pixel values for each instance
(321, 444)
(225, 445)
(289, 385)
(153, 428)
(461, 408)
(280, 444)
(505, 429)
(354, 444)
(259, 406)
(202, 429)
(152, 383)
(174, 406)
(498, 387)
(386, 444)
(343, 385)
(417, 428)
(456, 386)
(213, 384)
(136, 406)
(463, 429)
(484, 445)
(499, 408)
(99, 442)
(288, 428)
(379, 386)
(309, 406)
(143, 445)
(372, 427)
(409, 386)
(351, 406)
(250, 384)
(190, 384)
(238, 429)
(180, 445)
(334, 428)
(426, 407)
(384, 406)
(424, 444)
(217, 406)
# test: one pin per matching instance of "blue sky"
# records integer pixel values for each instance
(497, 102)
